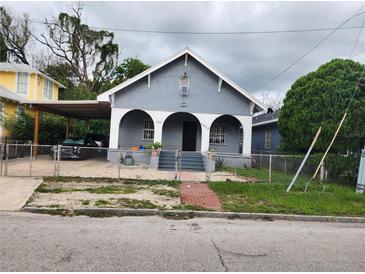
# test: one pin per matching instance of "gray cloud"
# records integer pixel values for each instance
(250, 60)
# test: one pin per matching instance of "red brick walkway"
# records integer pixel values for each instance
(200, 195)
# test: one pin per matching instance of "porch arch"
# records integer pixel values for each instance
(226, 135)
(183, 131)
(136, 128)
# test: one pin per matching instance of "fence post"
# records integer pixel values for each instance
(179, 165)
(321, 174)
(55, 161)
(6, 160)
(270, 168)
(58, 159)
(119, 164)
(30, 160)
(260, 159)
(2, 155)
(176, 163)
(284, 165)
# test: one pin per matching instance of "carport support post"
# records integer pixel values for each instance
(68, 122)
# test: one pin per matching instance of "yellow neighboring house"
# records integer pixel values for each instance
(19, 82)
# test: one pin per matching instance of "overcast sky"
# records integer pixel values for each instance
(250, 60)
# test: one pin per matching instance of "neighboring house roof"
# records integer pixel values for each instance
(105, 96)
(9, 95)
(266, 118)
(14, 67)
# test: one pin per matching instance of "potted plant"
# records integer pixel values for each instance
(155, 149)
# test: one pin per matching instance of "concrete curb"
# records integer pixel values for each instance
(187, 214)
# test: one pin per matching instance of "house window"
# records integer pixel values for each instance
(184, 84)
(148, 131)
(19, 111)
(268, 138)
(47, 89)
(217, 135)
(22, 83)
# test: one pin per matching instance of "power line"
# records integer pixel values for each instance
(313, 48)
(214, 33)
(224, 33)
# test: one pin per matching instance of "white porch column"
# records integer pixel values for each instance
(246, 122)
(158, 118)
(116, 116)
(206, 121)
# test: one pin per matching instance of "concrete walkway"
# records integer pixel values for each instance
(15, 191)
(199, 194)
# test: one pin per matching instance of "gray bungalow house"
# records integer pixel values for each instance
(185, 104)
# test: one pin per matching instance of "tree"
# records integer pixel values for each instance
(128, 69)
(320, 99)
(3, 50)
(90, 54)
(16, 34)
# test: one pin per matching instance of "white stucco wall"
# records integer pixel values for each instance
(159, 117)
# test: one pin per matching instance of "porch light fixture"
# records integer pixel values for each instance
(184, 84)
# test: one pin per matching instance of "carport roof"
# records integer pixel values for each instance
(80, 109)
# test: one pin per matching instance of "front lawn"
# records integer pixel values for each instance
(272, 198)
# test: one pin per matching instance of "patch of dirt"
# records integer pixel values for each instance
(229, 176)
(76, 199)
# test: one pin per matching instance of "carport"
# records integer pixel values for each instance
(77, 109)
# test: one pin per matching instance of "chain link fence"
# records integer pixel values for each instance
(48, 160)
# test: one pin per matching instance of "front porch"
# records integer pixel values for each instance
(180, 131)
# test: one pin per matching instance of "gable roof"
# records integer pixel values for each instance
(14, 67)
(105, 96)
(9, 95)
(266, 118)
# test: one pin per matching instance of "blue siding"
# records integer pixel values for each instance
(258, 138)
(164, 93)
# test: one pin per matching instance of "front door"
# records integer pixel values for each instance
(189, 136)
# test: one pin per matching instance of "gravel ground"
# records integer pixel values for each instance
(76, 199)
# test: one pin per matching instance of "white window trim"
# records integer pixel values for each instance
(16, 84)
(44, 89)
(148, 129)
(268, 138)
(225, 135)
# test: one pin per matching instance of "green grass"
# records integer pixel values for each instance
(191, 207)
(99, 190)
(102, 203)
(132, 203)
(85, 202)
(111, 190)
(262, 175)
(272, 198)
(164, 192)
(65, 179)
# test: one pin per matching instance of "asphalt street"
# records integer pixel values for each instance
(32, 242)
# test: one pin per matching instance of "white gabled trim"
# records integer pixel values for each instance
(105, 96)
(220, 84)
(265, 122)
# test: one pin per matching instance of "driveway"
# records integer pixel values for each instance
(32, 242)
(15, 191)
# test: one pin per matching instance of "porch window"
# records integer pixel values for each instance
(148, 131)
(268, 138)
(22, 83)
(217, 135)
(47, 89)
